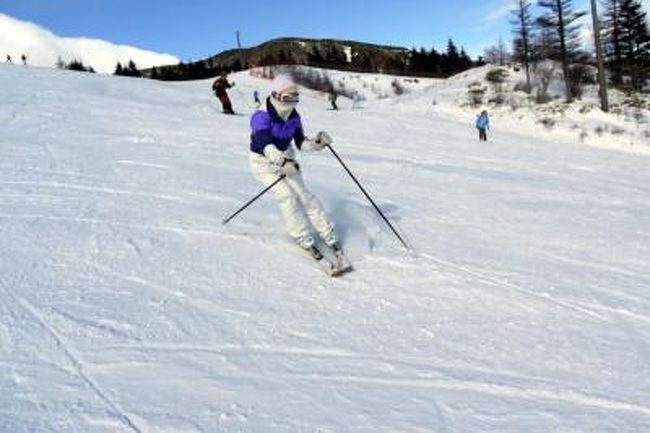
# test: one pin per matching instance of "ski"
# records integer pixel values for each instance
(343, 264)
(326, 264)
(335, 263)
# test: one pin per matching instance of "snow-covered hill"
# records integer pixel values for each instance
(44, 48)
(125, 306)
(626, 127)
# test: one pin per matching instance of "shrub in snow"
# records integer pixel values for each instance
(311, 79)
(497, 76)
(521, 86)
(514, 105)
(498, 99)
(636, 102)
(579, 76)
(397, 87)
(547, 122)
(544, 75)
(585, 109)
(476, 92)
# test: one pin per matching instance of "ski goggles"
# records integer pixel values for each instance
(287, 98)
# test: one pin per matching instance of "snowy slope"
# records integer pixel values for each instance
(125, 306)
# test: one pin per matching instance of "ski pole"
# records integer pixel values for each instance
(227, 220)
(369, 198)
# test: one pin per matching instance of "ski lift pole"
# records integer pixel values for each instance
(402, 241)
(264, 191)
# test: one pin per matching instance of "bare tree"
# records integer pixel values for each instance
(497, 54)
(523, 28)
(602, 81)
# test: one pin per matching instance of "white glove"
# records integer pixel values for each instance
(322, 139)
(289, 167)
(273, 154)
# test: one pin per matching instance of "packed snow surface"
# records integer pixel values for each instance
(126, 306)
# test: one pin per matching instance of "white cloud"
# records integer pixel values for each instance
(498, 12)
(587, 31)
(492, 15)
(42, 48)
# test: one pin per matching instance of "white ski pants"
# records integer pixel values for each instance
(300, 209)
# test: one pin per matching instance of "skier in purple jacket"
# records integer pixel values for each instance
(273, 127)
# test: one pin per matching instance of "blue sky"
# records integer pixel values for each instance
(195, 29)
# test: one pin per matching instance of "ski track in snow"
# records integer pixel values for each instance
(125, 305)
(69, 354)
(446, 380)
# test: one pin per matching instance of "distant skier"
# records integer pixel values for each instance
(332, 99)
(356, 100)
(256, 99)
(482, 124)
(274, 126)
(24, 59)
(8, 59)
(219, 87)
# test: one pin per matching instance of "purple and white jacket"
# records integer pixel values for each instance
(267, 127)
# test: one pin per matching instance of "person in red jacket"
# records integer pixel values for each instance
(219, 87)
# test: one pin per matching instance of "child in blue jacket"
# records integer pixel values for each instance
(482, 124)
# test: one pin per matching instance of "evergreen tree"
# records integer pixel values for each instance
(435, 63)
(418, 60)
(335, 56)
(77, 65)
(360, 59)
(612, 38)
(118, 69)
(627, 43)
(314, 57)
(561, 18)
(132, 70)
(465, 60)
(635, 42)
(453, 58)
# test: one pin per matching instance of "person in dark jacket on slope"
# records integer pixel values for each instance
(219, 87)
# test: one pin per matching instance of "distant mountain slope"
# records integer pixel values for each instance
(325, 53)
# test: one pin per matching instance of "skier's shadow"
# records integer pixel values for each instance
(355, 218)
